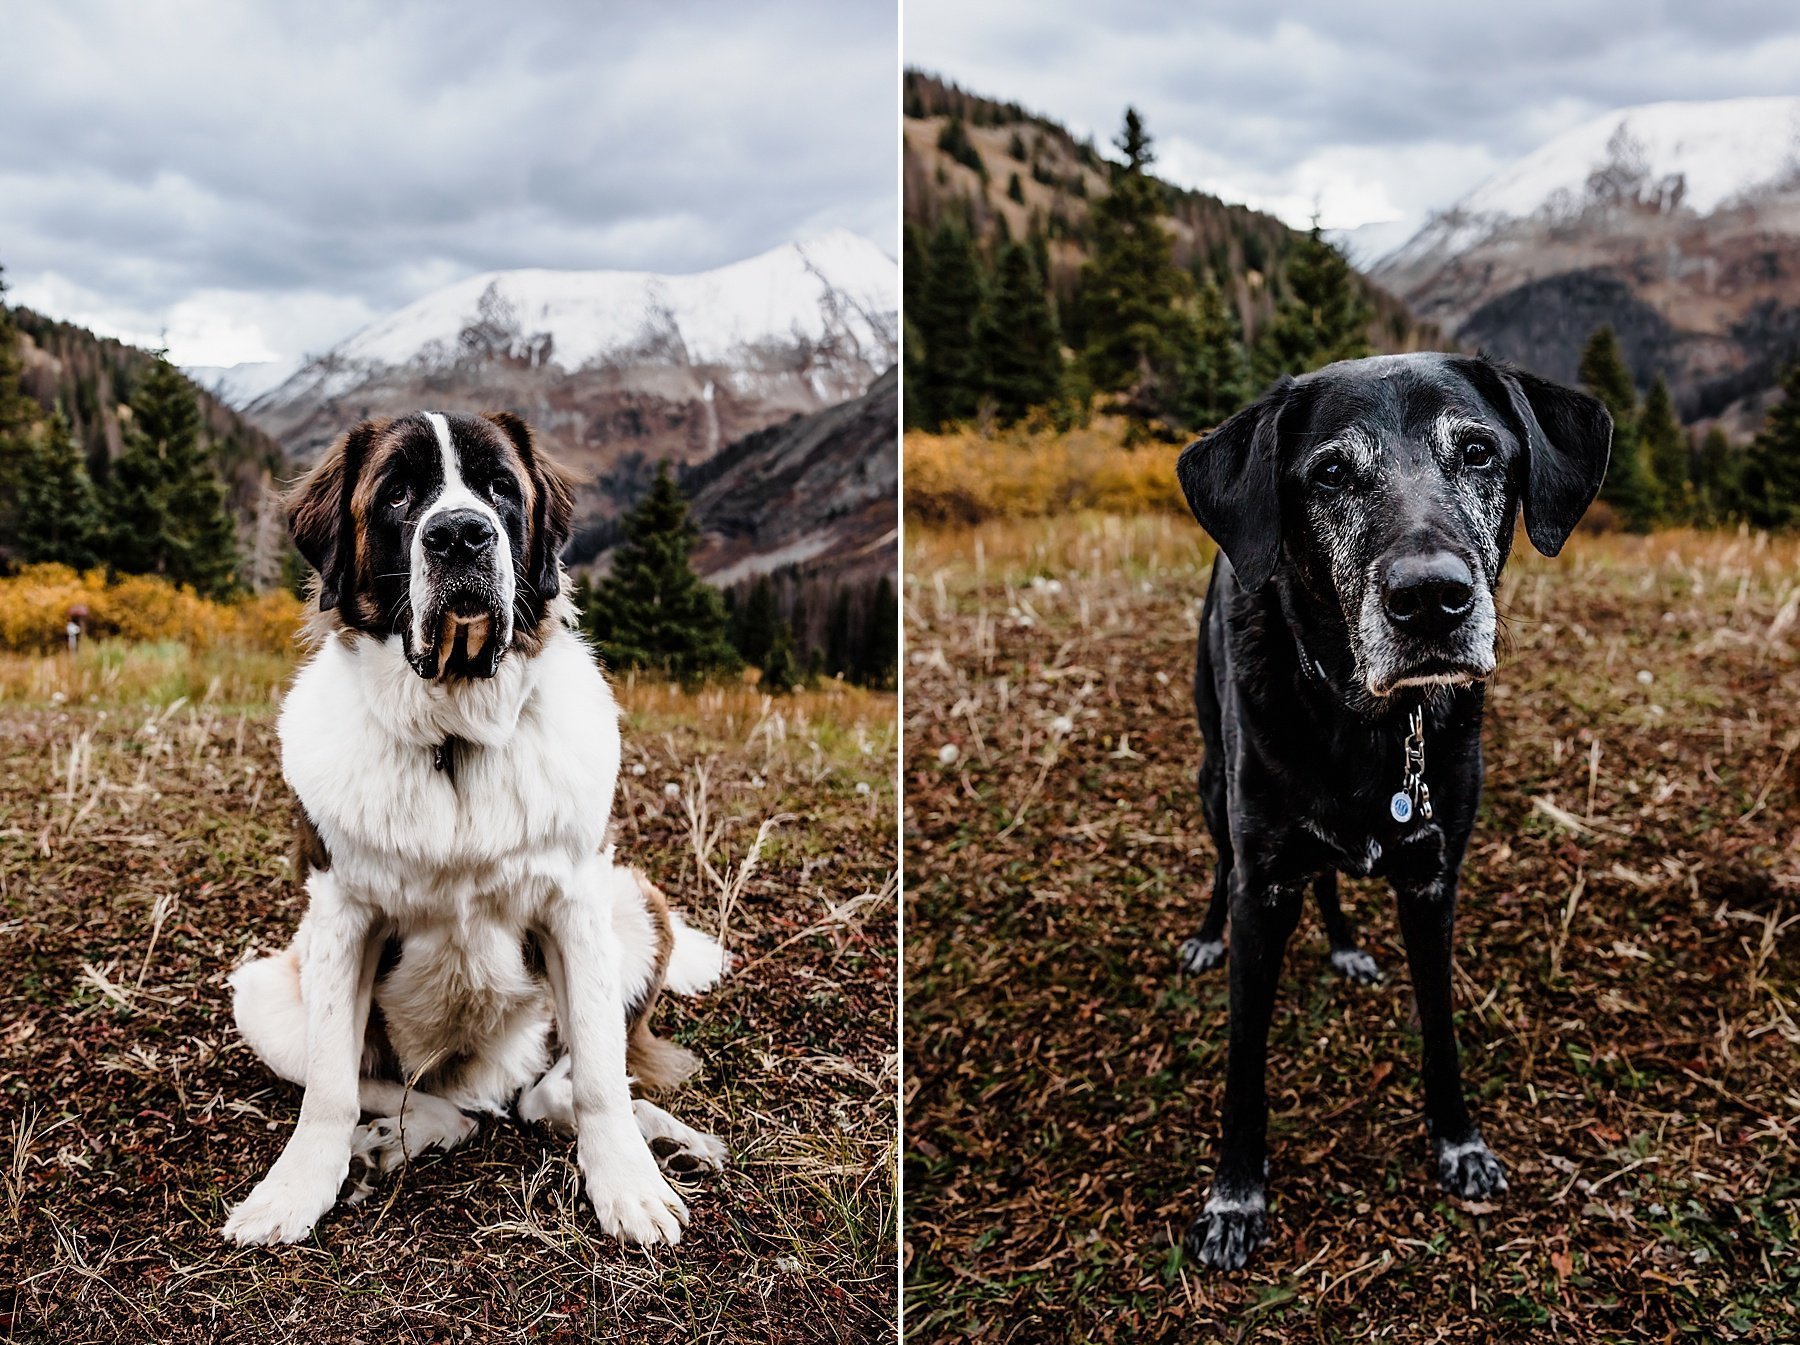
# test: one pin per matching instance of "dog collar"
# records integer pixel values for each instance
(1413, 798)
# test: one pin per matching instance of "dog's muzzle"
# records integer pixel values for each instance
(462, 630)
(1432, 623)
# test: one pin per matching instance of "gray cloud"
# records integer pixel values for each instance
(243, 175)
(1372, 110)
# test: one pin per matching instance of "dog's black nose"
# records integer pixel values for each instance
(460, 534)
(1429, 593)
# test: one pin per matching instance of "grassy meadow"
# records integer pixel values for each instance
(1626, 981)
(144, 841)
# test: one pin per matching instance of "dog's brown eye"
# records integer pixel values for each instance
(394, 495)
(1478, 452)
(1332, 474)
(504, 488)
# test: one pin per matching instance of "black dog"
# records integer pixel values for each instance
(1363, 514)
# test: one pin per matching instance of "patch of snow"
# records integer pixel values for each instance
(794, 553)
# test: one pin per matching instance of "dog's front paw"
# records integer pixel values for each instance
(1355, 965)
(632, 1199)
(283, 1208)
(1198, 955)
(1469, 1169)
(1227, 1231)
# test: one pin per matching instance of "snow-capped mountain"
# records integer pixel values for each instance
(616, 370)
(1678, 223)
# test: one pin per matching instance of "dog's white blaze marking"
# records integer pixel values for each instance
(457, 495)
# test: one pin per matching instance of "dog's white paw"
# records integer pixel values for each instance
(632, 1199)
(1355, 965)
(1469, 1169)
(284, 1207)
(1198, 955)
(389, 1141)
(1225, 1234)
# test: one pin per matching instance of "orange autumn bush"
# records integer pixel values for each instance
(35, 603)
(969, 477)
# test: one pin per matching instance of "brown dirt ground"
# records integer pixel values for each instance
(1626, 969)
(134, 1117)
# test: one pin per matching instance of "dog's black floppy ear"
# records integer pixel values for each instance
(552, 513)
(1568, 441)
(319, 512)
(1230, 479)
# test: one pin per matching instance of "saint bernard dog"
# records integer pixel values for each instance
(453, 748)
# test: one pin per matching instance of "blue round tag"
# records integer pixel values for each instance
(1401, 807)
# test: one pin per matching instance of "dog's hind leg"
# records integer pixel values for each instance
(1206, 949)
(1351, 961)
(681, 1151)
(1234, 1222)
(407, 1123)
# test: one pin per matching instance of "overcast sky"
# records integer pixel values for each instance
(1375, 111)
(255, 181)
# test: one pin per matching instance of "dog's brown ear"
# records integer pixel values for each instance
(319, 512)
(1567, 436)
(1231, 479)
(553, 513)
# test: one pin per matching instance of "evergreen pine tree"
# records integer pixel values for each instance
(949, 302)
(1017, 336)
(878, 657)
(1665, 448)
(1771, 474)
(757, 623)
(166, 509)
(653, 611)
(18, 420)
(1212, 373)
(1715, 479)
(1130, 286)
(837, 635)
(59, 517)
(1323, 318)
(780, 667)
(1628, 487)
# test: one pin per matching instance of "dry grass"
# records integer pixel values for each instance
(1626, 979)
(143, 844)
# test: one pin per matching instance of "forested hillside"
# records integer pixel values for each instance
(1053, 263)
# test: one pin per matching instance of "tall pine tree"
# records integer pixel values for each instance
(1628, 487)
(949, 302)
(653, 611)
(18, 423)
(1665, 449)
(166, 511)
(1770, 483)
(1018, 340)
(1131, 287)
(59, 517)
(1323, 318)
(1212, 372)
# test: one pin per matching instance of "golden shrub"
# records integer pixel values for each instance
(35, 604)
(968, 477)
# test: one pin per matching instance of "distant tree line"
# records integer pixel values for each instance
(652, 611)
(1661, 474)
(987, 339)
(160, 507)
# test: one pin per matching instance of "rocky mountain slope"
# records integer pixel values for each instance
(616, 370)
(1677, 223)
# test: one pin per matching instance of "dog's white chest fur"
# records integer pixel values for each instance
(526, 802)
